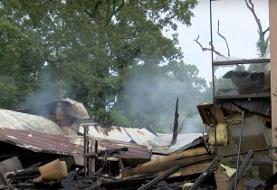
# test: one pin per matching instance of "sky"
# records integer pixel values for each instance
(237, 24)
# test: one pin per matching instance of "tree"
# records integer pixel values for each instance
(90, 48)
(19, 61)
(262, 42)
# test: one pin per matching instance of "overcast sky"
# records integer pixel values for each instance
(236, 23)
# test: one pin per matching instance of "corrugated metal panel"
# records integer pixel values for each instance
(72, 107)
(113, 133)
(183, 140)
(142, 136)
(65, 145)
(139, 136)
(76, 109)
(63, 112)
(159, 143)
(17, 120)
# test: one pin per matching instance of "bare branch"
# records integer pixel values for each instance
(224, 38)
(261, 42)
(206, 48)
(267, 30)
(251, 7)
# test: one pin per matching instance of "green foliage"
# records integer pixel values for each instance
(18, 64)
(91, 48)
(262, 45)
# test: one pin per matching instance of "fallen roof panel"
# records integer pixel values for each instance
(72, 107)
(17, 120)
(159, 143)
(184, 141)
(65, 145)
(112, 133)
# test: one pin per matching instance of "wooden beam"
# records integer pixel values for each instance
(183, 158)
(159, 178)
(191, 170)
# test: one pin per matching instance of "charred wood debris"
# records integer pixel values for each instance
(57, 146)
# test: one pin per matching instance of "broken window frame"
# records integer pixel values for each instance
(236, 63)
(231, 62)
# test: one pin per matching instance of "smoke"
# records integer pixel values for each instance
(149, 101)
(191, 125)
(48, 90)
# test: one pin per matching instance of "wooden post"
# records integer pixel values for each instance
(91, 161)
(85, 127)
(273, 64)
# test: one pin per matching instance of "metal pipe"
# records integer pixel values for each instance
(205, 174)
(241, 170)
(240, 141)
(212, 47)
(241, 62)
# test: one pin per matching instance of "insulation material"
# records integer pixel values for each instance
(220, 132)
(233, 119)
(229, 171)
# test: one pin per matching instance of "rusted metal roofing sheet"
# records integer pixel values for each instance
(65, 145)
(17, 120)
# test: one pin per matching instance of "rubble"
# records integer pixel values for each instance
(74, 152)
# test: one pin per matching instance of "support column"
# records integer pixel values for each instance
(273, 64)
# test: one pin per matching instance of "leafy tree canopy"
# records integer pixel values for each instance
(91, 49)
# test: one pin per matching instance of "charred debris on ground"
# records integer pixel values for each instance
(57, 146)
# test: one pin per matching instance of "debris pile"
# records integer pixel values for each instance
(73, 152)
